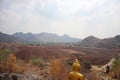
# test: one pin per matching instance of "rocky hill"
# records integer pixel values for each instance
(92, 41)
(110, 42)
(8, 38)
(45, 37)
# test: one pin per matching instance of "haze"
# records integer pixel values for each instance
(77, 18)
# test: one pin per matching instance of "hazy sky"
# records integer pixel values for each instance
(77, 18)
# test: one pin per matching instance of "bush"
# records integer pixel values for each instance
(4, 54)
(116, 68)
(58, 70)
(87, 65)
(9, 64)
(38, 61)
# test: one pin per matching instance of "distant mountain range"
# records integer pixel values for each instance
(7, 38)
(45, 37)
(94, 42)
(42, 37)
(10, 39)
(91, 41)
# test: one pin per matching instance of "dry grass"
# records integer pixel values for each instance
(10, 65)
(115, 71)
(58, 70)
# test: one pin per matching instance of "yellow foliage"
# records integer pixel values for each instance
(10, 65)
(58, 70)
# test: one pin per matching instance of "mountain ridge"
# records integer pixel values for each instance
(9, 38)
(91, 41)
(45, 37)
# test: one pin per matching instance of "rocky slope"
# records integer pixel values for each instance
(94, 42)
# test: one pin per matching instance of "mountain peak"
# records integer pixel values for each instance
(91, 38)
(65, 35)
(45, 33)
(18, 33)
(29, 33)
(7, 38)
(46, 37)
(89, 41)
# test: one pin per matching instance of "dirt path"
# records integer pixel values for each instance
(102, 68)
(109, 63)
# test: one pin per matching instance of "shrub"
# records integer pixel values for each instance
(38, 61)
(116, 68)
(3, 54)
(9, 64)
(91, 76)
(87, 65)
(58, 70)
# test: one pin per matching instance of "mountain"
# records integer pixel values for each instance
(8, 38)
(110, 42)
(26, 37)
(45, 37)
(67, 38)
(48, 37)
(92, 41)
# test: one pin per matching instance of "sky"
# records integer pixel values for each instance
(77, 18)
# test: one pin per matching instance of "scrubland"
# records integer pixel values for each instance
(54, 63)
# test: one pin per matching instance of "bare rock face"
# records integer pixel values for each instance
(16, 76)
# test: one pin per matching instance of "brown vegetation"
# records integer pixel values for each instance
(58, 60)
(115, 71)
(9, 65)
(58, 70)
(98, 56)
(26, 52)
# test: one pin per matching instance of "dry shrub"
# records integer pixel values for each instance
(9, 64)
(39, 61)
(115, 71)
(58, 70)
(91, 76)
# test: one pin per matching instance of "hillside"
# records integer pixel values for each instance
(45, 37)
(97, 56)
(92, 41)
(110, 42)
(8, 38)
(27, 52)
(44, 62)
